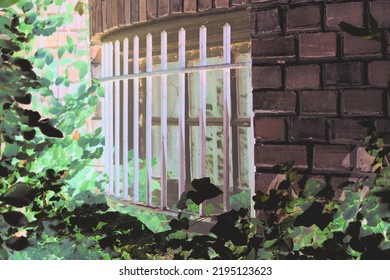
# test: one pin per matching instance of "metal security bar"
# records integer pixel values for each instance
(116, 113)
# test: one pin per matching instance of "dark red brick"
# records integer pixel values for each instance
(270, 128)
(381, 11)
(347, 130)
(348, 12)
(221, 3)
(190, 6)
(383, 129)
(176, 6)
(363, 102)
(354, 45)
(204, 5)
(268, 21)
(308, 128)
(267, 77)
(319, 102)
(344, 74)
(151, 8)
(364, 162)
(265, 182)
(163, 8)
(143, 11)
(303, 76)
(127, 12)
(271, 155)
(331, 157)
(239, 2)
(121, 12)
(274, 47)
(317, 45)
(306, 17)
(274, 102)
(135, 9)
(379, 72)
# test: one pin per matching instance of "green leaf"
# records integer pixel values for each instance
(354, 30)
(27, 7)
(351, 211)
(59, 80)
(49, 59)
(11, 150)
(8, 44)
(61, 51)
(69, 40)
(312, 187)
(83, 68)
(19, 195)
(7, 3)
(79, 8)
(15, 218)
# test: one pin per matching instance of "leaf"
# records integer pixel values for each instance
(312, 187)
(373, 24)
(29, 134)
(15, 218)
(49, 59)
(17, 243)
(354, 30)
(79, 8)
(204, 190)
(19, 195)
(8, 44)
(27, 7)
(351, 211)
(23, 64)
(83, 68)
(59, 80)
(47, 129)
(26, 99)
(310, 216)
(7, 3)
(61, 51)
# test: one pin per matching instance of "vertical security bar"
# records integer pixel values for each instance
(226, 117)
(149, 96)
(164, 116)
(125, 154)
(117, 121)
(182, 116)
(111, 117)
(105, 114)
(136, 118)
(202, 102)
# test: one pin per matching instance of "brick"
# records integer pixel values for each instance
(274, 102)
(108, 14)
(267, 77)
(379, 73)
(364, 162)
(190, 6)
(253, 23)
(143, 11)
(151, 8)
(274, 47)
(135, 10)
(127, 12)
(176, 6)
(268, 21)
(204, 5)
(303, 76)
(265, 181)
(163, 8)
(347, 130)
(363, 102)
(383, 129)
(306, 17)
(354, 45)
(104, 15)
(381, 11)
(348, 12)
(344, 74)
(270, 128)
(331, 157)
(271, 155)
(114, 13)
(308, 128)
(221, 3)
(319, 102)
(239, 2)
(317, 45)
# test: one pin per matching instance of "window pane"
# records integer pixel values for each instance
(243, 86)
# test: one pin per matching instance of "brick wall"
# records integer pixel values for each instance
(318, 91)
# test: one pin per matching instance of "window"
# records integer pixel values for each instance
(179, 101)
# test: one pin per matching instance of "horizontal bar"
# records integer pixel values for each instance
(242, 122)
(192, 69)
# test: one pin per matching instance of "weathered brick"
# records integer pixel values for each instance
(151, 8)
(319, 102)
(127, 12)
(274, 47)
(303, 76)
(271, 155)
(135, 10)
(343, 74)
(308, 128)
(348, 12)
(221, 3)
(317, 45)
(381, 11)
(190, 6)
(379, 72)
(363, 102)
(331, 157)
(274, 102)
(176, 6)
(270, 128)
(354, 45)
(347, 130)
(265, 181)
(163, 8)
(239, 2)
(266, 77)
(364, 162)
(383, 129)
(204, 5)
(268, 21)
(306, 17)
(143, 11)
